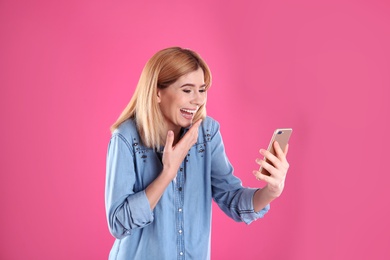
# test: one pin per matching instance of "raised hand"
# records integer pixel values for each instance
(277, 167)
(172, 158)
(174, 155)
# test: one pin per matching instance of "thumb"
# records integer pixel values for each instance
(286, 150)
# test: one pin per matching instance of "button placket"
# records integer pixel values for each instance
(179, 206)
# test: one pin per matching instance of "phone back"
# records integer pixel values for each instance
(281, 136)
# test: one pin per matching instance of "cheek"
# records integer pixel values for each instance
(204, 99)
(165, 107)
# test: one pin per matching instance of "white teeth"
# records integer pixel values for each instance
(189, 111)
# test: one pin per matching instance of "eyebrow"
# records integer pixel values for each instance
(192, 85)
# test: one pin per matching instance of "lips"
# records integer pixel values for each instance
(188, 113)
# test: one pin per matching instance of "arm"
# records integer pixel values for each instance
(275, 182)
(128, 210)
(234, 200)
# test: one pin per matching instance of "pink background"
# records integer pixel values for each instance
(68, 68)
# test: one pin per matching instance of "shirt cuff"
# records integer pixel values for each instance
(141, 214)
(249, 215)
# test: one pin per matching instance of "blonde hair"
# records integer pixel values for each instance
(162, 70)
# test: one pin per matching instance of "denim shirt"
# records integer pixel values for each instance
(179, 225)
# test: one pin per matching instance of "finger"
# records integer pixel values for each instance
(278, 149)
(191, 136)
(195, 127)
(196, 124)
(262, 177)
(169, 140)
(286, 150)
(270, 157)
(268, 167)
(280, 154)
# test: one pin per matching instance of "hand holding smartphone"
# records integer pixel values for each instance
(282, 136)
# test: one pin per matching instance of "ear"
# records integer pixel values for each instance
(158, 96)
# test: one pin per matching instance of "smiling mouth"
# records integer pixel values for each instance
(188, 113)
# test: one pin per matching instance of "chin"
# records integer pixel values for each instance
(186, 124)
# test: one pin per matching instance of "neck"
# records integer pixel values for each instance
(176, 134)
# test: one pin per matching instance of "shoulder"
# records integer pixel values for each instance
(209, 128)
(210, 123)
(127, 130)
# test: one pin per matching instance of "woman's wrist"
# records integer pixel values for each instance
(262, 198)
(169, 173)
(271, 193)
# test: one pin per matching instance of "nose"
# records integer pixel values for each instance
(199, 98)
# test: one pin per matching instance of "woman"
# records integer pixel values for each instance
(166, 162)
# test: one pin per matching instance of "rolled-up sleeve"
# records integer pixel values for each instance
(246, 202)
(126, 209)
(234, 199)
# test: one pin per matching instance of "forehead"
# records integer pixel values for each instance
(194, 77)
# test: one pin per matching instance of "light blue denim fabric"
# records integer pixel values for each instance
(179, 226)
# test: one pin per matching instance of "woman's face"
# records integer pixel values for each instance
(180, 101)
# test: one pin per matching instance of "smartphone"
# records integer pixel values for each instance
(282, 136)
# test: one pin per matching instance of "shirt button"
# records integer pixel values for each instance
(180, 209)
(180, 188)
(180, 231)
(181, 253)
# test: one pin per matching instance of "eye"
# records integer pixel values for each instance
(186, 90)
(203, 90)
